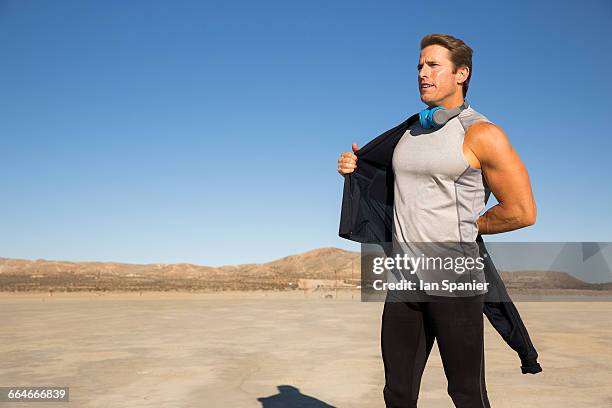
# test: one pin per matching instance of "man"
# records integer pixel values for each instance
(443, 174)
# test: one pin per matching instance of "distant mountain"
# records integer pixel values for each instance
(548, 280)
(323, 263)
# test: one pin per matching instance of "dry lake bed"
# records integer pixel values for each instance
(273, 349)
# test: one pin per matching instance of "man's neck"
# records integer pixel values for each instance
(452, 102)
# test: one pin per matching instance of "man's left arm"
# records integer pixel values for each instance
(506, 177)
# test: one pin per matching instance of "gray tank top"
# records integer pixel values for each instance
(438, 195)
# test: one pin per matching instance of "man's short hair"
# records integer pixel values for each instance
(460, 53)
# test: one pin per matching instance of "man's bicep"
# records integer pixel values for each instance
(503, 169)
(508, 179)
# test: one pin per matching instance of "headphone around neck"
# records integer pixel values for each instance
(437, 116)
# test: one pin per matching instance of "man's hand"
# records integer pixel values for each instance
(347, 163)
(506, 177)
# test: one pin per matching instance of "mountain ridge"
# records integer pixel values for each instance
(326, 264)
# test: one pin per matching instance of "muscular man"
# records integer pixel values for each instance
(443, 176)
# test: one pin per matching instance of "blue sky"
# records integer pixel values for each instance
(208, 131)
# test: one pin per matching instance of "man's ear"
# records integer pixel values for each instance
(462, 74)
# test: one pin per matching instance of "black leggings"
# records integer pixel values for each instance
(407, 336)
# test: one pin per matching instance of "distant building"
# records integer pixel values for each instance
(323, 283)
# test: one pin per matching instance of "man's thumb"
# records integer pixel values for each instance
(355, 147)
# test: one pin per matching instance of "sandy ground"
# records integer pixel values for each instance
(271, 349)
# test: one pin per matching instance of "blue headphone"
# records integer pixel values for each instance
(437, 116)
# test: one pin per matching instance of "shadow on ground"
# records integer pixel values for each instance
(290, 397)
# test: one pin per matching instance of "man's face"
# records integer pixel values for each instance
(436, 79)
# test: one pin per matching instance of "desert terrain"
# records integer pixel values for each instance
(289, 333)
(310, 348)
(323, 267)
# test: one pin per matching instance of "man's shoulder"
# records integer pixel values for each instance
(471, 116)
(484, 135)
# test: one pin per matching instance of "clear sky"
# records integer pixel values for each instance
(209, 131)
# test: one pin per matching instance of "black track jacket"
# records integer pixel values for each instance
(367, 217)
